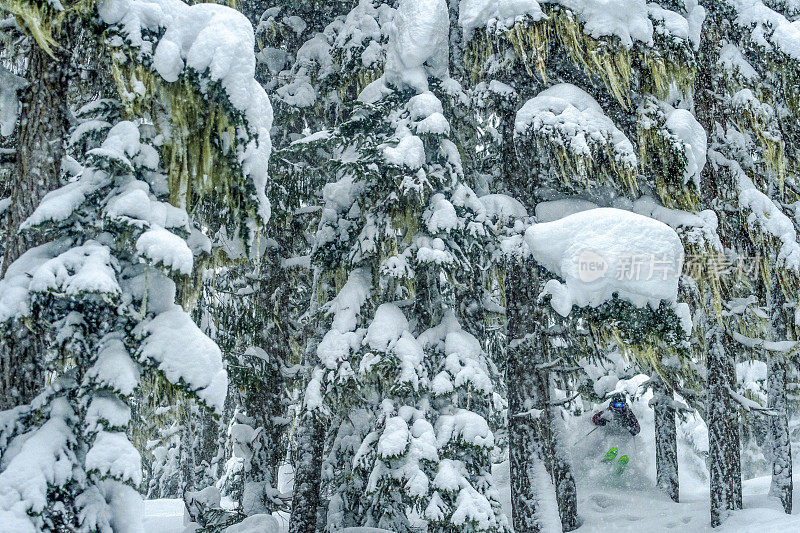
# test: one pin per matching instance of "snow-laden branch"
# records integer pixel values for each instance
(770, 346)
(628, 20)
(750, 405)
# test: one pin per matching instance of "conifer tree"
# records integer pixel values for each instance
(123, 252)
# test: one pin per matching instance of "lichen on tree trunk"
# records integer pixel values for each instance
(308, 474)
(39, 150)
(725, 471)
(666, 440)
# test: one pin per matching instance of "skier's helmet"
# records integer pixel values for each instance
(617, 401)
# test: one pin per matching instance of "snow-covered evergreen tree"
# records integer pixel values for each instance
(397, 229)
(123, 252)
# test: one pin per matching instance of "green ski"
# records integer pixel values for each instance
(621, 464)
(610, 455)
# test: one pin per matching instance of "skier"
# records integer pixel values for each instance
(618, 411)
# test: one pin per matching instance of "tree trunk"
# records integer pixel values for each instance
(564, 481)
(725, 471)
(781, 485)
(308, 474)
(666, 440)
(525, 389)
(39, 150)
(534, 436)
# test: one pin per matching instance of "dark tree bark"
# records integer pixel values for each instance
(666, 440)
(725, 470)
(533, 437)
(564, 481)
(782, 485)
(308, 474)
(39, 150)
(526, 391)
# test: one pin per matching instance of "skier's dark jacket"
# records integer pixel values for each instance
(624, 416)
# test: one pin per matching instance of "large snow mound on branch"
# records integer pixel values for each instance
(418, 43)
(214, 41)
(604, 251)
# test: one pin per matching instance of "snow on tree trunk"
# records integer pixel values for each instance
(527, 393)
(781, 485)
(39, 150)
(666, 440)
(308, 474)
(725, 471)
(779, 440)
(563, 479)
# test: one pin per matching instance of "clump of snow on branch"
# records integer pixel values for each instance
(638, 258)
(183, 352)
(685, 127)
(570, 116)
(418, 43)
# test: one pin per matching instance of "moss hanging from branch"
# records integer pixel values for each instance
(198, 142)
(600, 167)
(531, 41)
(662, 155)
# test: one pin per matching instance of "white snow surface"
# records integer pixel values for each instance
(215, 41)
(409, 152)
(386, 327)
(162, 247)
(174, 343)
(83, 269)
(113, 455)
(616, 240)
(134, 205)
(574, 118)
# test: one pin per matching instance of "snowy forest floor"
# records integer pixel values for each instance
(608, 502)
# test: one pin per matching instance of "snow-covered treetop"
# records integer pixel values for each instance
(211, 41)
(607, 251)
